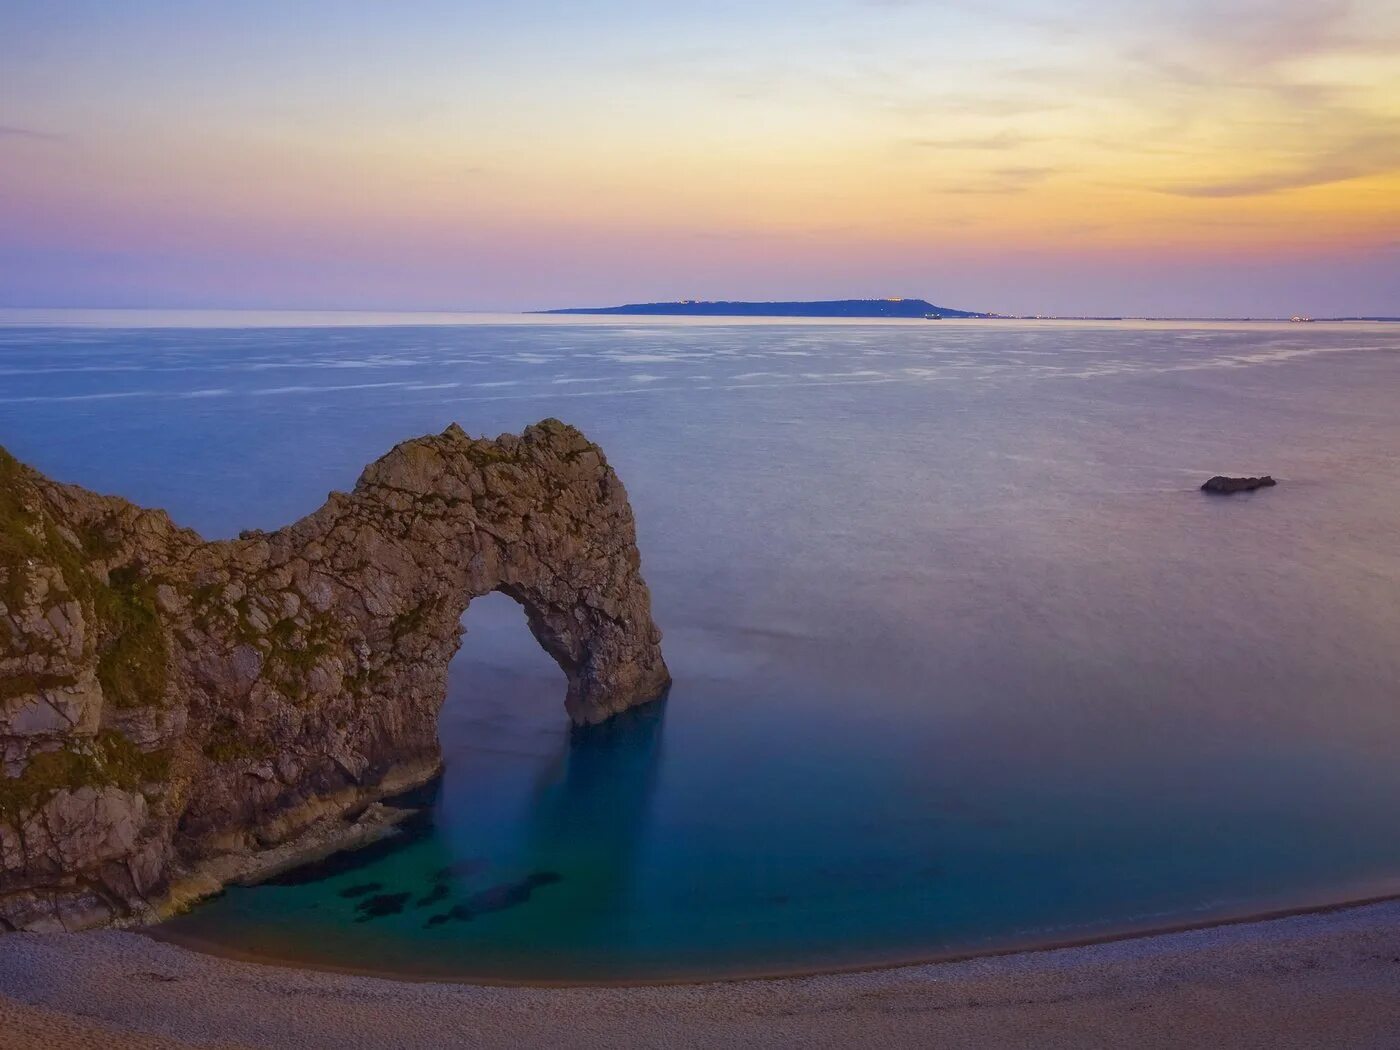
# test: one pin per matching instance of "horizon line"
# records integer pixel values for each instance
(558, 312)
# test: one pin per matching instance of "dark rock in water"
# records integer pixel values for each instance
(497, 898)
(440, 892)
(361, 889)
(468, 867)
(1221, 485)
(379, 906)
(170, 706)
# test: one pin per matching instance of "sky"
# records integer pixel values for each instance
(1227, 158)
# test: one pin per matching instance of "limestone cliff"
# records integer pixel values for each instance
(166, 700)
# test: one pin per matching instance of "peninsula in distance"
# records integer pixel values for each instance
(916, 308)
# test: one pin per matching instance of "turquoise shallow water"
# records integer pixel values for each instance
(962, 658)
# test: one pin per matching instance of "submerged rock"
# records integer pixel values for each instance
(168, 703)
(1224, 486)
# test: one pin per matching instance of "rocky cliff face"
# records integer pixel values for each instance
(165, 701)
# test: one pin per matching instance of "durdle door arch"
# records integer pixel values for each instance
(168, 705)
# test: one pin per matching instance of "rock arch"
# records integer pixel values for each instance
(166, 702)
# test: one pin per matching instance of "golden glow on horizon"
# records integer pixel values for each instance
(1227, 131)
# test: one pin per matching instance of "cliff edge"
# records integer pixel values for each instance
(167, 701)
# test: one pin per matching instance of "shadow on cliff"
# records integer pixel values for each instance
(523, 813)
(173, 706)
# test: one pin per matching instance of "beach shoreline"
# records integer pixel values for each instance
(164, 933)
(1324, 978)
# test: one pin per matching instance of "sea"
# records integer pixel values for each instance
(964, 659)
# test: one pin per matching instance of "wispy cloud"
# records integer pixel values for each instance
(1009, 179)
(1001, 140)
(1260, 33)
(1360, 158)
(10, 131)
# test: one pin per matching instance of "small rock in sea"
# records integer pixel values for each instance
(379, 906)
(438, 893)
(1224, 486)
(361, 889)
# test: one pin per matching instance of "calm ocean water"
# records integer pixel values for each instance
(962, 658)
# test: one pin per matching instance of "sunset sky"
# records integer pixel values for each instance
(1239, 157)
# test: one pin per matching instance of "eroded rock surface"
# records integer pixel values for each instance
(1221, 485)
(166, 701)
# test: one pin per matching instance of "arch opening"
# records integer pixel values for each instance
(303, 672)
(527, 795)
(503, 687)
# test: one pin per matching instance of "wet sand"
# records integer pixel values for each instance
(1319, 980)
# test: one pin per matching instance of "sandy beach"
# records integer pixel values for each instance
(1328, 979)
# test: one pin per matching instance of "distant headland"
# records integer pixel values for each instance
(916, 308)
